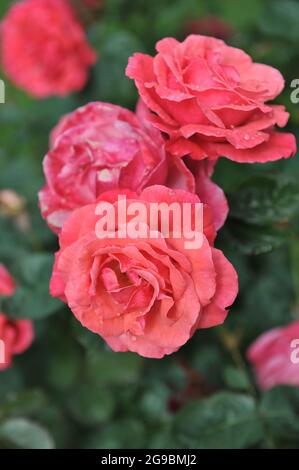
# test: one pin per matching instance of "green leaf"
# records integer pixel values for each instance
(236, 378)
(91, 405)
(107, 367)
(153, 403)
(225, 420)
(252, 239)
(282, 20)
(280, 410)
(109, 82)
(126, 433)
(234, 12)
(64, 364)
(32, 298)
(24, 434)
(265, 199)
(26, 403)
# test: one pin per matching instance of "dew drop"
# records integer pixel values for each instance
(246, 137)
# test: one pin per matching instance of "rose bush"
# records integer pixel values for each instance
(210, 100)
(274, 358)
(71, 389)
(44, 49)
(144, 295)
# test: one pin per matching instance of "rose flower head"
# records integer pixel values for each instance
(211, 100)
(96, 148)
(44, 49)
(15, 337)
(275, 357)
(147, 293)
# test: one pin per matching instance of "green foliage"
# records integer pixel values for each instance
(279, 410)
(226, 420)
(23, 434)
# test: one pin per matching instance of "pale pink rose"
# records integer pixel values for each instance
(7, 284)
(275, 357)
(210, 100)
(97, 148)
(16, 336)
(146, 295)
(44, 49)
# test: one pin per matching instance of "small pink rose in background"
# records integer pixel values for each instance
(275, 357)
(97, 148)
(7, 283)
(44, 49)
(146, 295)
(211, 100)
(15, 338)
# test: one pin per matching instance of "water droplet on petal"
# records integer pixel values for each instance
(246, 137)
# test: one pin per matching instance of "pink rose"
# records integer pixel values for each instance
(7, 284)
(97, 148)
(275, 357)
(15, 337)
(44, 48)
(146, 295)
(209, 99)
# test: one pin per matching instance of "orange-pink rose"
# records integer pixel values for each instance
(211, 100)
(146, 295)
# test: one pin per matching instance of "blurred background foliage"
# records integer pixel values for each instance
(69, 390)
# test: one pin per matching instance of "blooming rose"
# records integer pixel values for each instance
(275, 357)
(147, 295)
(7, 285)
(209, 99)
(96, 148)
(44, 49)
(15, 337)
